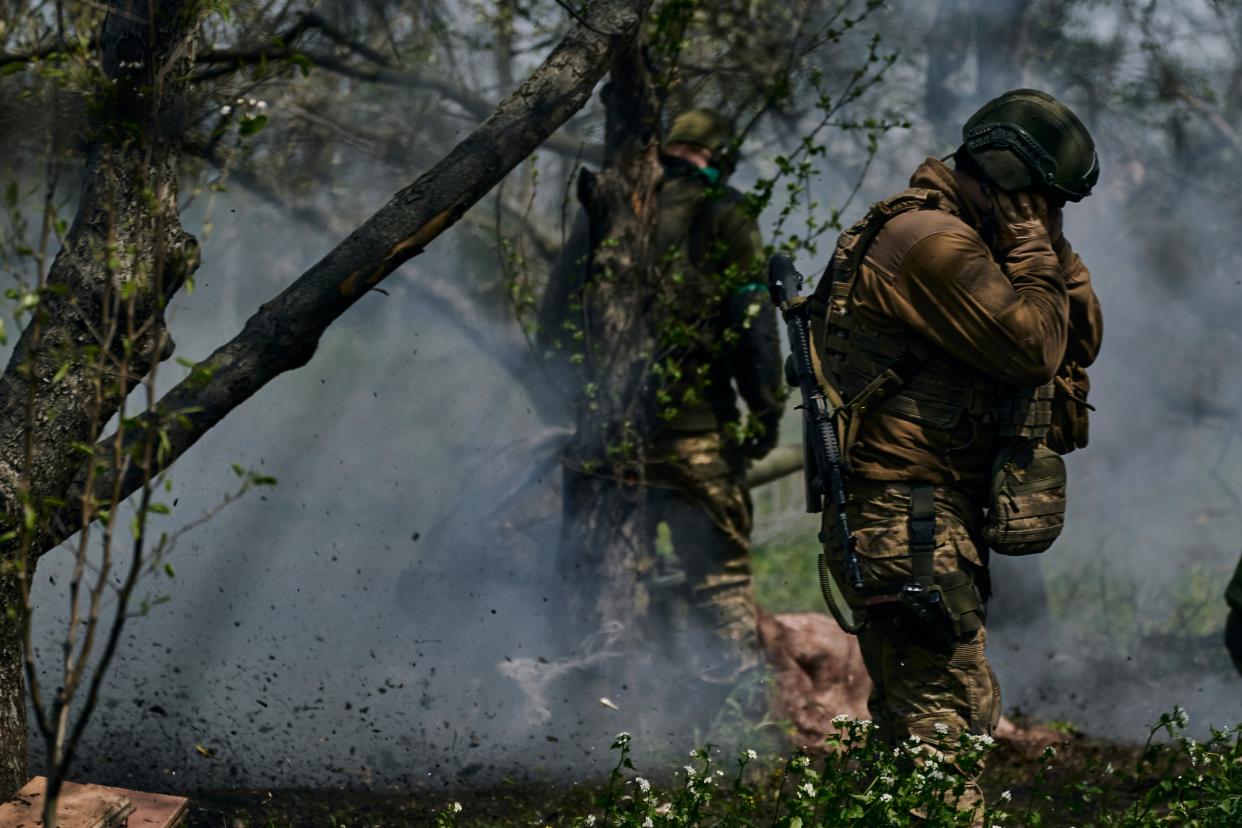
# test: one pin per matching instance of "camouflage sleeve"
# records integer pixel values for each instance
(1086, 323)
(564, 284)
(752, 319)
(1008, 320)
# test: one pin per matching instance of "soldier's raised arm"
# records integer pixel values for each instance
(1006, 316)
(1086, 322)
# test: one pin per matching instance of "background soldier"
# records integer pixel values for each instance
(696, 613)
(959, 323)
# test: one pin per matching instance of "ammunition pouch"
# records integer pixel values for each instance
(1026, 511)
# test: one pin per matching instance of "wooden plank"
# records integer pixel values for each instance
(79, 806)
(94, 806)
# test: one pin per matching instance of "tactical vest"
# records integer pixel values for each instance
(903, 375)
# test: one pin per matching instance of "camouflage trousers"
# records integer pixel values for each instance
(925, 687)
(697, 612)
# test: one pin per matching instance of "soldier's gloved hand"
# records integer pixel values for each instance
(1021, 217)
(1233, 637)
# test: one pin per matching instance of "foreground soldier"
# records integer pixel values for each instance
(697, 612)
(957, 326)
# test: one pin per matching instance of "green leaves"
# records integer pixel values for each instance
(303, 62)
(251, 125)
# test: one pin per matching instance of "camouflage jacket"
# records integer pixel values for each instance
(718, 326)
(1020, 319)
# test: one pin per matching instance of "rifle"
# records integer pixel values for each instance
(825, 470)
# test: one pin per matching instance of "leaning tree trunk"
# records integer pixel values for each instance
(602, 530)
(123, 256)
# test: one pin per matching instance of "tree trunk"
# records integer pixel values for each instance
(604, 496)
(12, 692)
(123, 256)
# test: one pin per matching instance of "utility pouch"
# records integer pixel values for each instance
(948, 611)
(962, 602)
(1070, 418)
(1027, 508)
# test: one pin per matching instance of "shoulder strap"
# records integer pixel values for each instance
(842, 270)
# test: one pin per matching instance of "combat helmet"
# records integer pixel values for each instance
(1028, 139)
(709, 129)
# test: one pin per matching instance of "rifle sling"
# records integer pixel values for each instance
(922, 529)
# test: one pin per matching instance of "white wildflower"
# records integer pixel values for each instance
(806, 788)
(647, 823)
(941, 728)
(455, 807)
(590, 820)
(1050, 752)
(887, 797)
(720, 773)
(1180, 717)
(914, 739)
(1006, 796)
(643, 784)
(800, 763)
(690, 771)
(1109, 770)
(226, 109)
(887, 780)
(840, 718)
(750, 754)
(982, 740)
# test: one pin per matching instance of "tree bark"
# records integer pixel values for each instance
(12, 691)
(603, 529)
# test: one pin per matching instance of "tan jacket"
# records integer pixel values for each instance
(1021, 319)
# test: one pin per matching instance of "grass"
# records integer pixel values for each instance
(784, 572)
